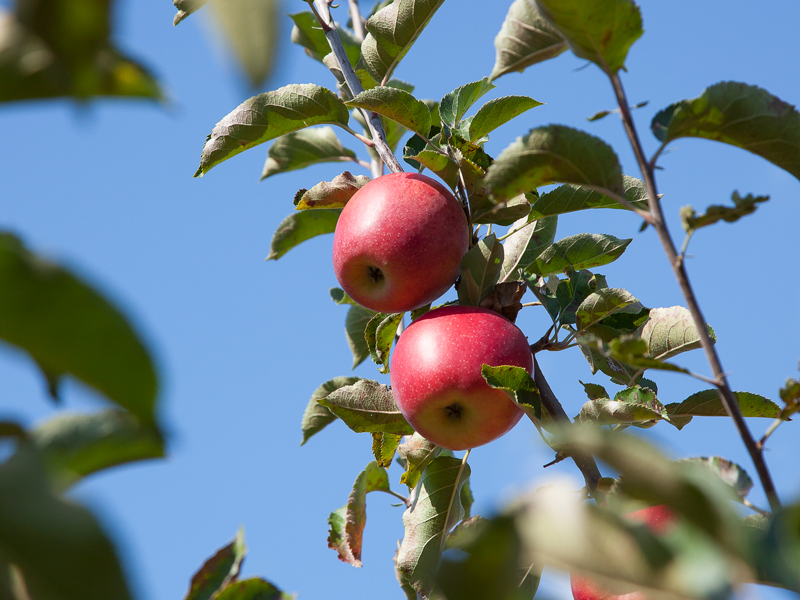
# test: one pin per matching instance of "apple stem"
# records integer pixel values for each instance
(584, 462)
(322, 13)
(727, 397)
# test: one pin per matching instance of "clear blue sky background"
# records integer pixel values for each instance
(241, 344)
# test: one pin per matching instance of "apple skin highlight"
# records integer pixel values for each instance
(436, 375)
(399, 242)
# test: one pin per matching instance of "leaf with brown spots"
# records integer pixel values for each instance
(347, 523)
(219, 570)
(333, 194)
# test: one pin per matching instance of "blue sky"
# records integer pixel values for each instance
(241, 344)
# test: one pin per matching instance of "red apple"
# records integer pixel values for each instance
(436, 375)
(658, 519)
(398, 242)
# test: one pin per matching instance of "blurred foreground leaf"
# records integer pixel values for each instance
(67, 327)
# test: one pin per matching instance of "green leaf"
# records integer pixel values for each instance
(56, 50)
(525, 39)
(435, 509)
(633, 405)
(602, 303)
(670, 331)
(441, 164)
(384, 446)
(715, 212)
(301, 149)
(397, 105)
(523, 246)
(380, 333)
(484, 211)
(68, 327)
(316, 417)
(355, 327)
(480, 270)
(741, 115)
(497, 112)
(519, 385)
(252, 589)
(455, 105)
(570, 293)
(582, 251)
(330, 194)
(299, 227)
(601, 31)
(76, 445)
(708, 404)
(729, 472)
(185, 8)
(594, 391)
(391, 33)
(58, 546)
(554, 154)
(493, 566)
(417, 452)
(250, 28)
(347, 523)
(270, 115)
(307, 33)
(570, 198)
(367, 406)
(219, 570)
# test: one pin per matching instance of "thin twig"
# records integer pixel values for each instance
(727, 397)
(584, 462)
(322, 13)
(405, 500)
(770, 430)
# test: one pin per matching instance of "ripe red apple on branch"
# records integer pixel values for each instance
(658, 519)
(398, 242)
(436, 375)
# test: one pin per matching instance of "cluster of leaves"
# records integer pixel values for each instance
(615, 332)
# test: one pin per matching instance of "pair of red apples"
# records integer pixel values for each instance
(397, 246)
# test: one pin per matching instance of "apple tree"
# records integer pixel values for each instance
(514, 250)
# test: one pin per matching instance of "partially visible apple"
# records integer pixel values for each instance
(436, 375)
(658, 519)
(399, 242)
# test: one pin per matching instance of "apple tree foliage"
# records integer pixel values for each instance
(446, 551)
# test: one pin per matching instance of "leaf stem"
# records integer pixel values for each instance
(321, 10)
(405, 500)
(584, 462)
(367, 142)
(726, 395)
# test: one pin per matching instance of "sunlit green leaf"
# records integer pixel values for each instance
(301, 149)
(708, 404)
(316, 417)
(525, 39)
(496, 112)
(268, 116)
(570, 198)
(582, 251)
(380, 333)
(741, 115)
(398, 105)
(306, 32)
(68, 327)
(435, 509)
(299, 227)
(384, 445)
(670, 331)
(76, 445)
(484, 211)
(554, 154)
(632, 405)
(367, 406)
(218, 571)
(456, 104)
(601, 31)
(254, 588)
(391, 33)
(519, 384)
(603, 303)
(524, 246)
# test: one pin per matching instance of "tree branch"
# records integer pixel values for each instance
(726, 395)
(321, 11)
(584, 462)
